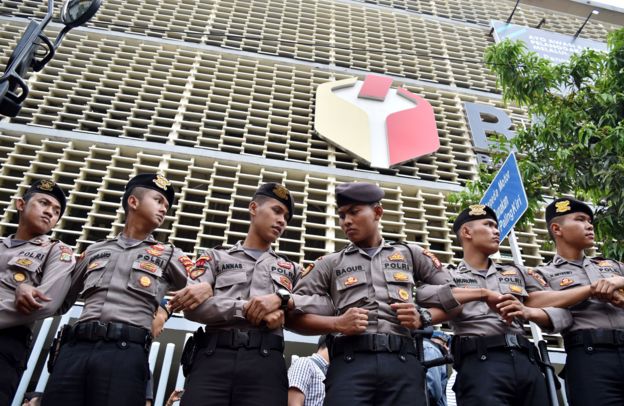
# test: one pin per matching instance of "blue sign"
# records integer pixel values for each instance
(506, 196)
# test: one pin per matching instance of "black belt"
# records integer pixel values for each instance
(235, 339)
(594, 337)
(373, 343)
(20, 333)
(464, 345)
(97, 331)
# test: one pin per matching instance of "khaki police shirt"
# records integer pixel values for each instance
(560, 274)
(236, 277)
(351, 278)
(41, 262)
(477, 319)
(124, 281)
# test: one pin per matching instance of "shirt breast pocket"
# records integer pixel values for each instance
(351, 289)
(144, 278)
(231, 283)
(516, 290)
(565, 282)
(22, 269)
(400, 286)
(93, 277)
(281, 281)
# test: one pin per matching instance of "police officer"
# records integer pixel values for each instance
(363, 296)
(496, 364)
(595, 341)
(238, 358)
(103, 359)
(30, 257)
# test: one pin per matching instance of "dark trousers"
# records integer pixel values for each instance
(504, 377)
(237, 377)
(100, 373)
(13, 354)
(595, 378)
(370, 378)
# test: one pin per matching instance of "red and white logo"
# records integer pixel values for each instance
(375, 123)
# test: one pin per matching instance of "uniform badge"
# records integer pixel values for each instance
(154, 252)
(23, 262)
(161, 182)
(515, 288)
(604, 263)
(403, 294)
(351, 280)
(284, 264)
(66, 254)
(434, 259)
(563, 206)
(145, 281)
(509, 272)
(401, 277)
(477, 210)
(566, 282)
(196, 273)
(286, 282)
(93, 265)
(307, 269)
(536, 276)
(19, 277)
(188, 264)
(396, 257)
(201, 261)
(281, 192)
(46, 185)
(148, 266)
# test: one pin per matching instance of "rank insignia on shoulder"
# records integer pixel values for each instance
(19, 277)
(515, 288)
(351, 280)
(396, 257)
(93, 265)
(307, 269)
(23, 262)
(509, 272)
(284, 264)
(188, 264)
(201, 261)
(401, 277)
(145, 281)
(196, 273)
(536, 276)
(403, 294)
(566, 282)
(148, 266)
(434, 259)
(563, 206)
(286, 282)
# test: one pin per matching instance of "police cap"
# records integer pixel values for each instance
(565, 205)
(358, 192)
(474, 212)
(49, 188)
(152, 181)
(279, 193)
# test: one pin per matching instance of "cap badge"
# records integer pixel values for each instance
(563, 206)
(46, 185)
(162, 182)
(477, 210)
(281, 192)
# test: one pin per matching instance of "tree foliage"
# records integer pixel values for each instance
(575, 142)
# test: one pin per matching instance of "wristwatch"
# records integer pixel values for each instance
(284, 295)
(425, 317)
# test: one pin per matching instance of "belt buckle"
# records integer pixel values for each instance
(240, 339)
(381, 342)
(511, 341)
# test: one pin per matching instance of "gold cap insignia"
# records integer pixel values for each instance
(566, 282)
(23, 262)
(145, 281)
(477, 210)
(515, 288)
(563, 206)
(281, 192)
(46, 185)
(403, 294)
(351, 280)
(401, 277)
(396, 257)
(162, 182)
(19, 277)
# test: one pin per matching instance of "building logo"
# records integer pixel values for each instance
(378, 125)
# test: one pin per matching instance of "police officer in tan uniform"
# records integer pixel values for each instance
(30, 257)
(103, 359)
(363, 296)
(238, 357)
(496, 364)
(594, 343)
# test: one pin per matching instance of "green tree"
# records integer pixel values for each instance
(575, 142)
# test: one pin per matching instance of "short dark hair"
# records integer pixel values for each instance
(137, 192)
(557, 220)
